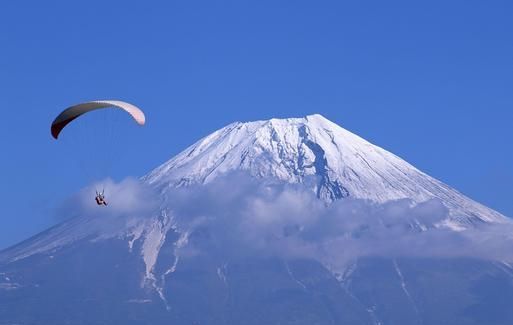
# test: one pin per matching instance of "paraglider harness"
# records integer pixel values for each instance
(100, 198)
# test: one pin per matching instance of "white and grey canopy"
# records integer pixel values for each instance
(71, 113)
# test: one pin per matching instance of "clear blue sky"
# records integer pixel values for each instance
(431, 82)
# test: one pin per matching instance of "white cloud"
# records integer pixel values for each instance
(236, 215)
(126, 198)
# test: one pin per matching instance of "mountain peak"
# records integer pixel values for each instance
(333, 162)
(312, 119)
(317, 118)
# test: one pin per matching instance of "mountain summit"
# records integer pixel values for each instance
(318, 153)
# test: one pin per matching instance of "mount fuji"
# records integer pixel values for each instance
(283, 221)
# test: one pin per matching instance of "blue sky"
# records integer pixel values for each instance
(431, 82)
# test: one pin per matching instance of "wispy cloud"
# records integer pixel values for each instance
(240, 216)
(237, 215)
(126, 198)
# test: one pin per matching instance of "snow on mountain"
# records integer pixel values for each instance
(316, 152)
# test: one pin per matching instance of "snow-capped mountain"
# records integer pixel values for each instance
(316, 152)
(298, 257)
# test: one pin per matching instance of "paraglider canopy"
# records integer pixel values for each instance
(71, 113)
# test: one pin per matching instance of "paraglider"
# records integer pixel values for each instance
(100, 198)
(76, 111)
